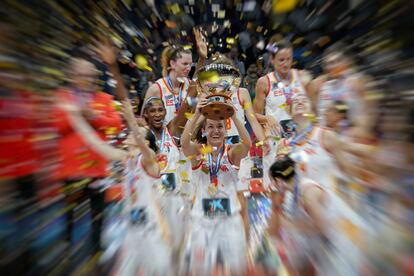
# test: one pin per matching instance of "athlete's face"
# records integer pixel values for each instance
(155, 114)
(301, 105)
(182, 66)
(282, 61)
(215, 131)
(333, 117)
(83, 75)
(335, 65)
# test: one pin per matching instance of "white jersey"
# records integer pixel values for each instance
(339, 90)
(145, 248)
(238, 104)
(141, 187)
(169, 97)
(276, 101)
(172, 160)
(313, 161)
(227, 184)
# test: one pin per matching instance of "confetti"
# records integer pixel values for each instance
(206, 149)
(184, 175)
(205, 170)
(259, 144)
(230, 40)
(282, 6)
(247, 105)
(189, 115)
(307, 53)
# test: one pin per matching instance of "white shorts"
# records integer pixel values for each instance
(145, 250)
(214, 242)
(176, 211)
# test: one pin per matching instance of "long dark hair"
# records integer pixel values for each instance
(150, 137)
(283, 168)
(277, 43)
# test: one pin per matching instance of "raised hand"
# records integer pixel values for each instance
(201, 44)
(106, 50)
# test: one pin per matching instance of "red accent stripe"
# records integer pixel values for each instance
(227, 147)
(172, 138)
(159, 87)
(238, 96)
(268, 85)
(198, 166)
(168, 86)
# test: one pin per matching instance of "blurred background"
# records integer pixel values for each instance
(37, 39)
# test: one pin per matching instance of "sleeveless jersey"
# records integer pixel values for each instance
(141, 187)
(313, 161)
(168, 96)
(171, 160)
(227, 184)
(339, 90)
(276, 101)
(230, 126)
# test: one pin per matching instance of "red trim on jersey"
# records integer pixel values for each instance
(159, 87)
(238, 97)
(172, 138)
(227, 148)
(268, 85)
(168, 86)
(197, 166)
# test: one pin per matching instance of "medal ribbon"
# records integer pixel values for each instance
(215, 170)
(287, 91)
(162, 142)
(177, 100)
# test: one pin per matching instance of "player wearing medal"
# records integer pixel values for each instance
(217, 236)
(316, 151)
(146, 245)
(146, 230)
(172, 88)
(342, 82)
(175, 168)
(274, 91)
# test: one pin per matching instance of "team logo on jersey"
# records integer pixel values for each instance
(224, 168)
(278, 93)
(216, 207)
(170, 102)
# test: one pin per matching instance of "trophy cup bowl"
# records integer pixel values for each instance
(218, 81)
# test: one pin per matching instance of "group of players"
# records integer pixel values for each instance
(186, 187)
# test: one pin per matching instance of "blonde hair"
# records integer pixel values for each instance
(171, 53)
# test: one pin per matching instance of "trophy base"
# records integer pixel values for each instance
(217, 108)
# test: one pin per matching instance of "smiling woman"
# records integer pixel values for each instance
(173, 87)
(219, 205)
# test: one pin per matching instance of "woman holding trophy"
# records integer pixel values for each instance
(219, 214)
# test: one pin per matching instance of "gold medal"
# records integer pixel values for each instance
(212, 190)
